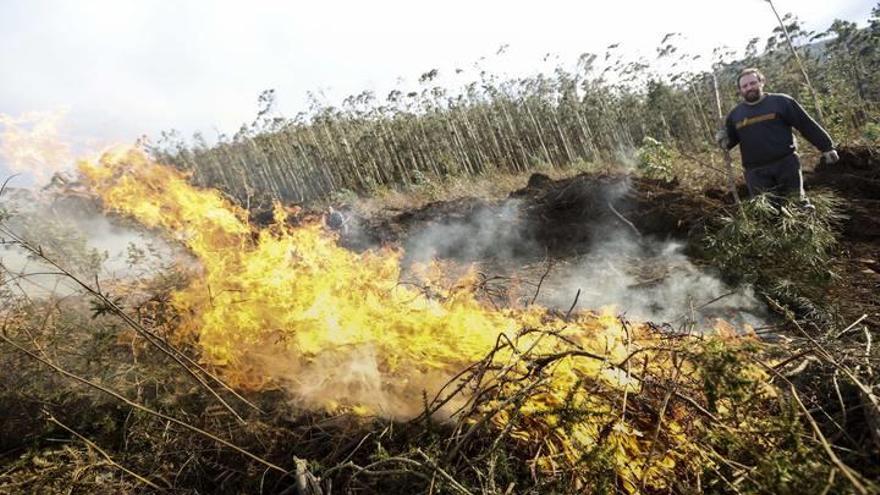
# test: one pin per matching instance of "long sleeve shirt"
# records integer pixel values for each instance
(763, 129)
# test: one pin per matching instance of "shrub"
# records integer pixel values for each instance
(654, 159)
(773, 243)
(871, 133)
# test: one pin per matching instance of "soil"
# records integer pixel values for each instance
(560, 219)
(856, 179)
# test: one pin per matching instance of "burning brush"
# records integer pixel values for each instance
(286, 307)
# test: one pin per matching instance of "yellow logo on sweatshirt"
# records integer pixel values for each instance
(754, 120)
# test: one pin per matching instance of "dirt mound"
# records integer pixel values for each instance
(856, 175)
(566, 214)
(856, 179)
(559, 217)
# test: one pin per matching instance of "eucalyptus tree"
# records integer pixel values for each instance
(601, 109)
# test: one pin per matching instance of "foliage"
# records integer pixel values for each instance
(654, 159)
(769, 241)
(600, 110)
(783, 463)
(769, 450)
(871, 133)
(713, 396)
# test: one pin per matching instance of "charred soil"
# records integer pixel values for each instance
(736, 427)
(561, 218)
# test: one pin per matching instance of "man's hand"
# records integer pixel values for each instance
(830, 157)
(722, 139)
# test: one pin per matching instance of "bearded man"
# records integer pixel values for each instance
(761, 125)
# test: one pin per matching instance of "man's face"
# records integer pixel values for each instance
(751, 88)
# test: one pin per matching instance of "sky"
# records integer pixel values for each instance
(78, 76)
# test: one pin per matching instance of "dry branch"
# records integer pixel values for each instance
(141, 407)
(178, 356)
(105, 454)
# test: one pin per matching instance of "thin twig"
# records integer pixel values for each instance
(573, 304)
(847, 471)
(853, 324)
(541, 282)
(867, 392)
(712, 301)
(6, 183)
(105, 454)
(660, 414)
(488, 415)
(142, 407)
(624, 220)
(455, 484)
(149, 336)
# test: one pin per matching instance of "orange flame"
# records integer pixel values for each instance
(288, 305)
(32, 142)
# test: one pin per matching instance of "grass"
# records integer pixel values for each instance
(107, 447)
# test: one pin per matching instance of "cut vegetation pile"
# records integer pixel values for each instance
(259, 351)
(118, 388)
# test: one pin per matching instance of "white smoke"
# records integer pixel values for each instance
(74, 234)
(353, 375)
(644, 279)
(649, 281)
(490, 232)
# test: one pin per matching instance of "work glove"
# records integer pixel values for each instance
(722, 139)
(830, 157)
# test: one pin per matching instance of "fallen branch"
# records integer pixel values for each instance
(624, 220)
(105, 454)
(143, 408)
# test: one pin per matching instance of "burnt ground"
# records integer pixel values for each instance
(561, 219)
(856, 179)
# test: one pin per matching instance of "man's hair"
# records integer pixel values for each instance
(750, 70)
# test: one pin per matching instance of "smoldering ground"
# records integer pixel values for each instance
(649, 281)
(643, 278)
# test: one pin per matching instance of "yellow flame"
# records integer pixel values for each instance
(32, 142)
(289, 306)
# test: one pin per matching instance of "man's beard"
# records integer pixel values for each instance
(753, 95)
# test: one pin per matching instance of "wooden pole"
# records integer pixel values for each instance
(728, 161)
(800, 64)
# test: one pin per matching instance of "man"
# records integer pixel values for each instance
(761, 126)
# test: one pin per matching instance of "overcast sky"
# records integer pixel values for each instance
(78, 75)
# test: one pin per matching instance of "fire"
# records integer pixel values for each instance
(288, 306)
(32, 143)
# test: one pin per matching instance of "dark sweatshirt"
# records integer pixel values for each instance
(763, 130)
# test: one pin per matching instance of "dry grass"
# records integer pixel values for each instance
(735, 414)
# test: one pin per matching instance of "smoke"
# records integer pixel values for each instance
(72, 232)
(642, 278)
(497, 232)
(648, 280)
(350, 375)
